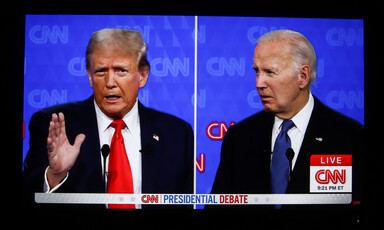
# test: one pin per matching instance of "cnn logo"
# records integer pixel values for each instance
(325, 176)
(150, 199)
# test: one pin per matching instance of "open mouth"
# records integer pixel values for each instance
(112, 98)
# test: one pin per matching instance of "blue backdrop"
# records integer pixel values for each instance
(226, 92)
(54, 69)
(227, 82)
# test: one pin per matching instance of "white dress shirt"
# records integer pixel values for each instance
(132, 142)
(297, 132)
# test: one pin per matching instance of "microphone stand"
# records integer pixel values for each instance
(105, 152)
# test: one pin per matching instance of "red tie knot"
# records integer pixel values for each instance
(118, 124)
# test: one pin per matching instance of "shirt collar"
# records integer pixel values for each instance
(301, 119)
(131, 119)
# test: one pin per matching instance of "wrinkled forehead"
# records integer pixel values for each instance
(110, 52)
(272, 53)
(275, 48)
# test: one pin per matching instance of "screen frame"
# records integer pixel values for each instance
(372, 61)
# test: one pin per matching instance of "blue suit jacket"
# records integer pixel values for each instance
(167, 164)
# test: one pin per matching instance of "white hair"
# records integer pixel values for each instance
(302, 50)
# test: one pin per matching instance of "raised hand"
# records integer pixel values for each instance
(61, 154)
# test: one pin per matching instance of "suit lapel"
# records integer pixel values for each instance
(150, 160)
(257, 160)
(86, 173)
(266, 152)
(312, 144)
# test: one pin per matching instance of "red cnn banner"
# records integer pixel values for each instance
(331, 173)
(331, 160)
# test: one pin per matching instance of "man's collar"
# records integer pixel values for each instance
(131, 119)
(301, 119)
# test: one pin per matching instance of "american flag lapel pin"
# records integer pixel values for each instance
(157, 138)
(320, 139)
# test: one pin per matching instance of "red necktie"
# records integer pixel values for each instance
(119, 170)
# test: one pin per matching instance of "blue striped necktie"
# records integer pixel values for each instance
(280, 164)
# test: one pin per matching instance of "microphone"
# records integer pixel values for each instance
(290, 154)
(105, 152)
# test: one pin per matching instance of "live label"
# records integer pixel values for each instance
(331, 173)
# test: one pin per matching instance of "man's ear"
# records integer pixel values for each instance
(305, 77)
(144, 73)
(90, 78)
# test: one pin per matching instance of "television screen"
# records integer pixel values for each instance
(202, 71)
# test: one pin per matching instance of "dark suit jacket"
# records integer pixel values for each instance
(246, 151)
(167, 164)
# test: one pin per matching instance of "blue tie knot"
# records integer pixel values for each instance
(287, 125)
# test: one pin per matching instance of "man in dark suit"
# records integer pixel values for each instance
(159, 146)
(285, 65)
